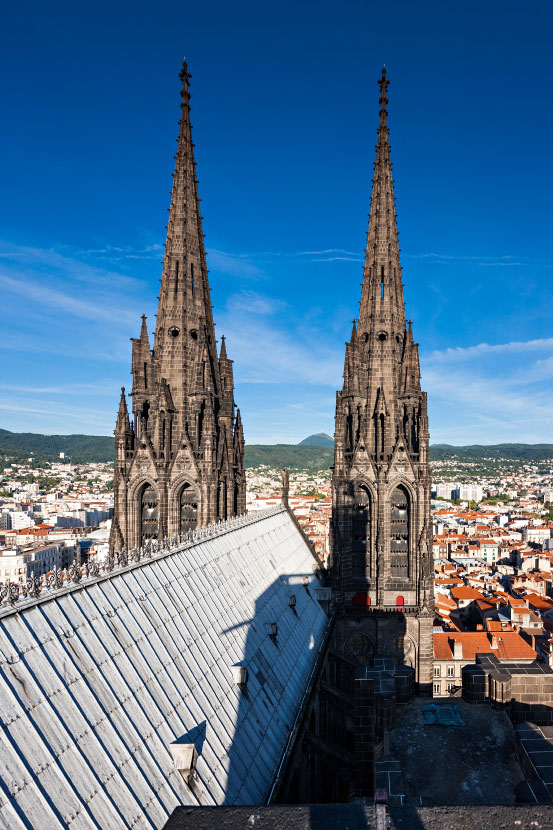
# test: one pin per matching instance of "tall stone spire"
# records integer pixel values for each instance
(182, 462)
(380, 529)
(184, 318)
(382, 294)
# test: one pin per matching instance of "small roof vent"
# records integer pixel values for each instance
(271, 629)
(184, 759)
(240, 675)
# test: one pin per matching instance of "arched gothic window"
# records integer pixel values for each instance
(222, 500)
(188, 508)
(399, 531)
(361, 533)
(149, 513)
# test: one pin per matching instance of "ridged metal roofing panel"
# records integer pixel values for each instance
(99, 678)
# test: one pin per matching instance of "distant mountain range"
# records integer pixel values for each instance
(320, 439)
(316, 452)
(510, 452)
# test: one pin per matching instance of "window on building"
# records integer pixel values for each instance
(450, 687)
(437, 671)
(361, 529)
(399, 531)
(188, 508)
(149, 513)
(451, 671)
(437, 688)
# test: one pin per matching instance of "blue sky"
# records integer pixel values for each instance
(284, 107)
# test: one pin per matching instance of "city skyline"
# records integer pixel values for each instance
(82, 226)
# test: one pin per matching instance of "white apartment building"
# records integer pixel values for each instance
(468, 492)
(538, 535)
(18, 563)
(20, 519)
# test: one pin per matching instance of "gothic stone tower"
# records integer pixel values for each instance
(180, 461)
(381, 529)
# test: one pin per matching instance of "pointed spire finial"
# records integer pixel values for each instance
(144, 331)
(383, 84)
(223, 350)
(122, 423)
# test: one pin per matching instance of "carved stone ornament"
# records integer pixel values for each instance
(360, 648)
(11, 593)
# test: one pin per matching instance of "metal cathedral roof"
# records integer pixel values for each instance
(100, 677)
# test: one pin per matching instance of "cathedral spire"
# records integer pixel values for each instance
(175, 458)
(382, 295)
(381, 478)
(122, 425)
(184, 313)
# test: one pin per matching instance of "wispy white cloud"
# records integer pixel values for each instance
(237, 265)
(461, 353)
(51, 414)
(244, 264)
(506, 260)
(327, 251)
(114, 253)
(337, 259)
(103, 387)
(251, 302)
(490, 393)
(36, 292)
(278, 350)
(21, 259)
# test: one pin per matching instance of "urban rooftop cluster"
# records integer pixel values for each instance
(492, 544)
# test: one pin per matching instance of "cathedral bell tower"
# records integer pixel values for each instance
(381, 542)
(180, 457)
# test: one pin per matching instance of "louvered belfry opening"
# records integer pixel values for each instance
(399, 531)
(361, 531)
(188, 506)
(149, 513)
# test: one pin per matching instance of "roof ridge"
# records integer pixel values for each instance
(17, 596)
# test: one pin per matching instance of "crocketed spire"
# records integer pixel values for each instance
(182, 464)
(380, 529)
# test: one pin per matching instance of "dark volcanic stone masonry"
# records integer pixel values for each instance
(382, 568)
(180, 461)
